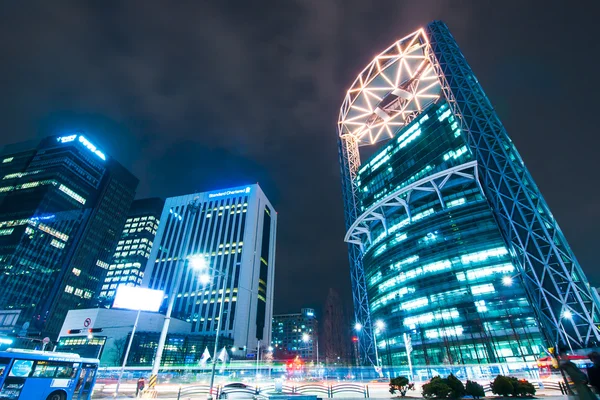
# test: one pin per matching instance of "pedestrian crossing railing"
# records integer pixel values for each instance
(321, 390)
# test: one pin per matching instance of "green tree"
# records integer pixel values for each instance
(474, 389)
(522, 387)
(436, 388)
(457, 389)
(401, 384)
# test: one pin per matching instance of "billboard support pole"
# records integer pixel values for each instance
(137, 318)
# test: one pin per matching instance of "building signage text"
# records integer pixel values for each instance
(229, 193)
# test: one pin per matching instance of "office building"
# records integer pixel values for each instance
(63, 203)
(133, 249)
(296, 334)
(108, 340)
(455, 255)
(233, 232)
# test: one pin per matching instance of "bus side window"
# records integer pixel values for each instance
(4, 362)
(65, 371)
(21, 368)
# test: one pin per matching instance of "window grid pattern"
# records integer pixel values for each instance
(437, 272)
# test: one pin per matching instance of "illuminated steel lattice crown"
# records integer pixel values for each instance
(390, 92)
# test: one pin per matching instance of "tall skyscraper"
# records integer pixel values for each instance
(133, 249)
(233, 230)
(296, 334)
(454, 252)
(63, 203)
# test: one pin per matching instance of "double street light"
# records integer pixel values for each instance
(379, 327)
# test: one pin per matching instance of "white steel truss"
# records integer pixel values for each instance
(567, 308)
(360, 231)
(395, 87)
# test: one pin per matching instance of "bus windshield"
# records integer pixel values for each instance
(46, 375)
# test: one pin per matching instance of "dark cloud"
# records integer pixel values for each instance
(197, 95)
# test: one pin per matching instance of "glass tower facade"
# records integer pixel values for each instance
(454, 252)
(133, 249)
(441, 272)
(63, 203)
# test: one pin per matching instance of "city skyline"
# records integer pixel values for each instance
(301, 178)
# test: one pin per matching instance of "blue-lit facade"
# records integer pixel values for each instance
(234, 230)
(452, 247)
(63, 203)
(440, 272)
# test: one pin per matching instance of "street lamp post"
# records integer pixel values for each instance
(306, 338)
(358, 329)
(137, 318)
(379, 325)
(204, 279)
(193, 208)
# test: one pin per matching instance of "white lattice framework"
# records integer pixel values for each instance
(360, 232)
(395, 87)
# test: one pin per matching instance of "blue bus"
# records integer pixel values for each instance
(31, 374)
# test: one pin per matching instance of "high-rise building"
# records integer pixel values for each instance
(454, 252)
(296, 335)
(133, 249)
(233, 231)
(63, 203)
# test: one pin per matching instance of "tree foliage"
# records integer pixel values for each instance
(401, 384)
(511, 386)
(436, 388)
(457, 389)
(474, 389)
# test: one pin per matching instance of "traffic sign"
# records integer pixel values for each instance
(46, 340)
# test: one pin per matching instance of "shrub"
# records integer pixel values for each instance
(436, 388)
(457, 389)
(522, 388)
(502, 386)
(401, 384)
(509, 385)
(474, 389)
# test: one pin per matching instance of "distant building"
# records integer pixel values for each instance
(296, 334)
(233, 232)
(335, 344)
(63, 203)
(133, 249)
(111, 329)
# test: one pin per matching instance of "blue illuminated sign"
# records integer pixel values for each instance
(43, 217)
(229, 192)
(91, 147)
(66, 139)
(83, 141)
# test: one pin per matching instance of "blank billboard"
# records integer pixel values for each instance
(136, 298)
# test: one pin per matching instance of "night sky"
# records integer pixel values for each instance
(195, 96)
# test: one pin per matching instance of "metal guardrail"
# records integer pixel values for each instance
(222, 392)
(350, 388)
(328, 391)
(198, 389)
